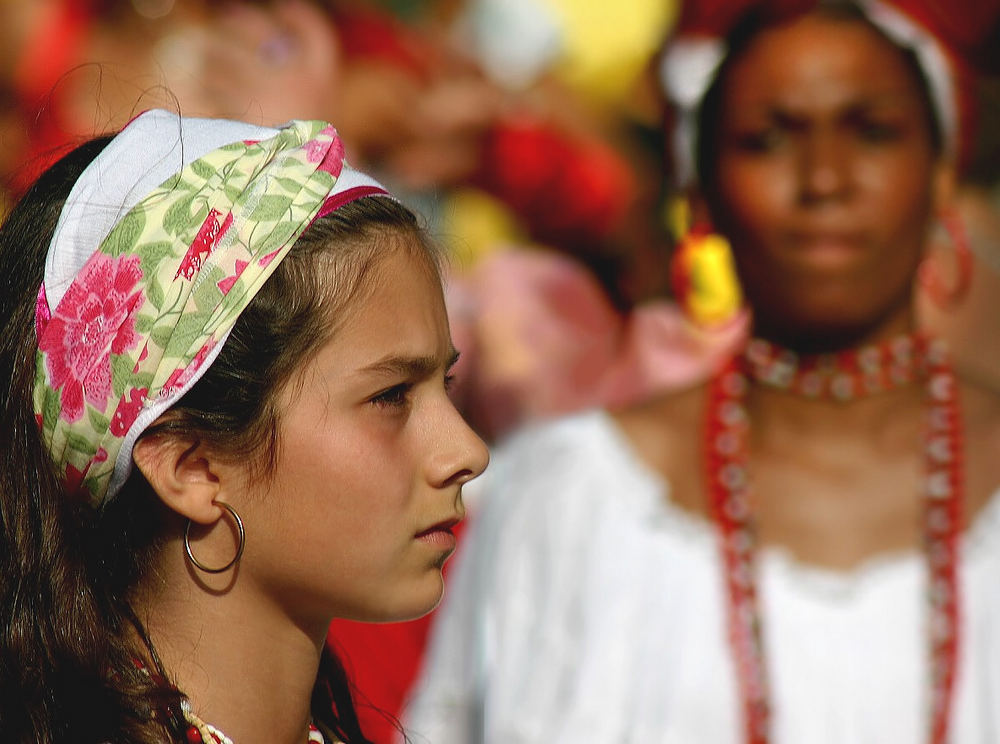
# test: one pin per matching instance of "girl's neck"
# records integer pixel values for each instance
(245, 666)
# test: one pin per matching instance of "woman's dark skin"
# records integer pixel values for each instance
(826, 180)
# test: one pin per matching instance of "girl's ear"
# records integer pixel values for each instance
(183, 473)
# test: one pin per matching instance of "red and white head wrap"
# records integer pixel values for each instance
(694, 55)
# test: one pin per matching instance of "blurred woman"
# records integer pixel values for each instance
(805, 548)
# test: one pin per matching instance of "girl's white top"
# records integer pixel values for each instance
(584, 607)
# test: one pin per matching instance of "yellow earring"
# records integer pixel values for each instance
(702, 272)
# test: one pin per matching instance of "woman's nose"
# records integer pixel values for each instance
(824, 168)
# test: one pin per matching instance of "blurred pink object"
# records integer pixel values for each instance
(539, 337)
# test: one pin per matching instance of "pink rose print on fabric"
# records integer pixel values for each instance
(180, 377)
(333, 163)
(330, 158)
(227, 284)
(94, 320)
(208, 237)
(265, 260)
(142, 357)
(128, 409)
(42, 313)
(315, 150)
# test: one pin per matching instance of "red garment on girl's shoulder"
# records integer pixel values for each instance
(382, 661)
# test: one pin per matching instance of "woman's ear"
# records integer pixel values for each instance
(183, 473)
(699, 211)
(944, 184)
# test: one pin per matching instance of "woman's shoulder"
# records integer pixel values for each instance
(597, 457)
(574, 464)
(665, 433)
(570, 437)
(981, 403)
(560, 454)
(981, 422)
(641, 434)
(981, 418)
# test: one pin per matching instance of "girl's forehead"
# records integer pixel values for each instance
(396, 290)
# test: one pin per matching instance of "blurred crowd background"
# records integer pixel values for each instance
(528, 133)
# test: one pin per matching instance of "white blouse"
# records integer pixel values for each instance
(584, 607)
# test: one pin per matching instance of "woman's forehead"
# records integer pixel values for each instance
(818, 66)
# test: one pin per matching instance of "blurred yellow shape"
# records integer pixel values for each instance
(607, 44)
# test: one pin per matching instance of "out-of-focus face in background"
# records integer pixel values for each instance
(827, 171)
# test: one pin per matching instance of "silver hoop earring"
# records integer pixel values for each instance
(239, 550)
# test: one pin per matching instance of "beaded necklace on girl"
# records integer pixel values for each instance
(199, 732)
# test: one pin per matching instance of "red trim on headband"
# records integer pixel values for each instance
(336, 201)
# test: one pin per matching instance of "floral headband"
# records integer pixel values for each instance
(163, 241)
(692, 60)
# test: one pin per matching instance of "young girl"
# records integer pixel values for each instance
(225, 422)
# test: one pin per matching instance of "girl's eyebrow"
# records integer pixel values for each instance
(411, 366)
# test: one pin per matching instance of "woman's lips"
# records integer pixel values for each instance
(827, 248)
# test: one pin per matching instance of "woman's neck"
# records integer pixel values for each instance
(790, 410)
(792, 418)
(807, 341)
(244, 665)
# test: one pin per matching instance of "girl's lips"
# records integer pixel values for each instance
(440, 535)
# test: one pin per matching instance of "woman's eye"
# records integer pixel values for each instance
(394, 397)
(449, 380)
(760, 141)
(876, 132)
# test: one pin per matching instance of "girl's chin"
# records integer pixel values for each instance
(403, 607)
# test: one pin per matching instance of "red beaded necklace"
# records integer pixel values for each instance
(842, 376)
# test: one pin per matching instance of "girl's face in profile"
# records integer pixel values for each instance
(826, 174)
(372, 459)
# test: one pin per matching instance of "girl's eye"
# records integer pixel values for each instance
(394, 397)
(448, 381)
